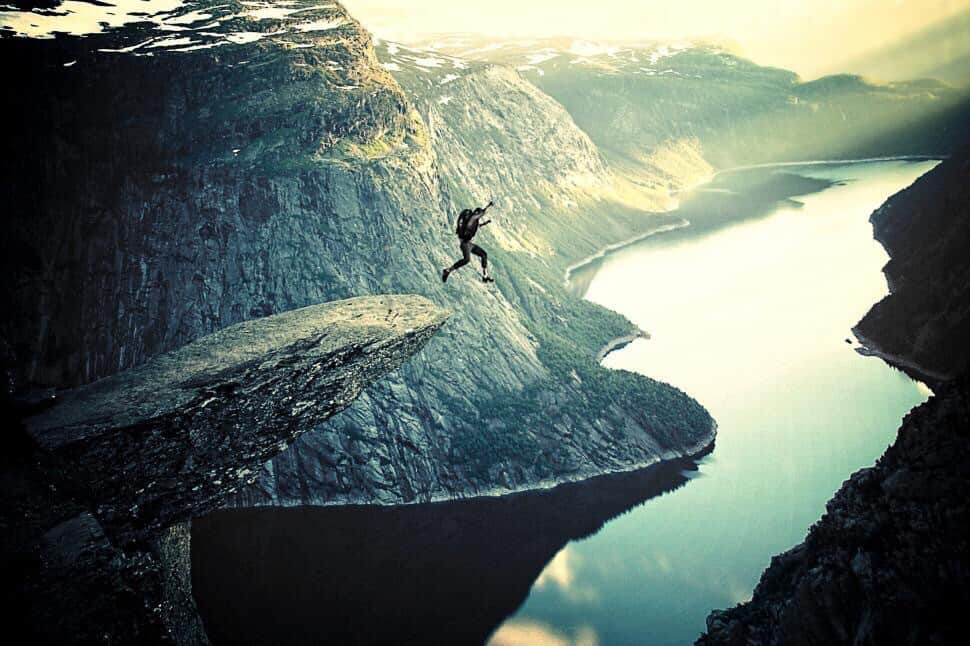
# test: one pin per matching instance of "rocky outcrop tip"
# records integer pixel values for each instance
(190, 425)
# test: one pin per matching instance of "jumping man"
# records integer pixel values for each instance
(468, 223)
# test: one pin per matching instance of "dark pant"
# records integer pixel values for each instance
(467, 249)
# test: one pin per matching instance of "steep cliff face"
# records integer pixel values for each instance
(161, 185)
(636, 99)
(494, 133)
(95, 545)
(887, 563)
(172, 179)
(923, 326)
(486, 429)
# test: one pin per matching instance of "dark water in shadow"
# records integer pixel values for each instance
(443, 573)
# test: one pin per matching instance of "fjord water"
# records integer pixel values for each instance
(749, 311)
(751, 319)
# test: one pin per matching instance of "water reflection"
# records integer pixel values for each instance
(752, 321)
(531, 633)
(748, 312)
(438, 573)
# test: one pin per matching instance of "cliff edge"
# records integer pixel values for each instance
(923, 325)
(887, 563)
(222, 162)
(95, 508)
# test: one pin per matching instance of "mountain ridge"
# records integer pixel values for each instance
(631, 98)
(257, 162)
(921, 325)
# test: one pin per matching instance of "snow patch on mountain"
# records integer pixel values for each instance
(587, 49)
(542, 57)
(428, 61)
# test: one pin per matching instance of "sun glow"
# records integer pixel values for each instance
(812, 37)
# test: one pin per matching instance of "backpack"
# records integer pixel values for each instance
(463, 221)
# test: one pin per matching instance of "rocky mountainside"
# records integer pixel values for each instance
(923, 326)
(633, 98)
(494, 135)
(95, 508)
(136, 441)
(226, 161)
(492, 130)
(887, 563)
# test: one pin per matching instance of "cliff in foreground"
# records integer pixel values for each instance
(887, 563)
(923, 325)
(94, 503)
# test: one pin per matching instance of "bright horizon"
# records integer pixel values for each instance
(812, 38)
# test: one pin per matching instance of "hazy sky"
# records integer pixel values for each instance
(812, 37)
(809, 36)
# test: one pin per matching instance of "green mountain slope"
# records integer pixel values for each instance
(172, 178)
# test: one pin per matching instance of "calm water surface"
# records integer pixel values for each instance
(750, 319)
(749, 312)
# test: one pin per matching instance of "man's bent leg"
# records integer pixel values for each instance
(478, 251)
(466, 246)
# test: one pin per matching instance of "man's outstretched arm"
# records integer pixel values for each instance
(482, 213)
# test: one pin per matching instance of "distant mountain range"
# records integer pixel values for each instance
(632, 98)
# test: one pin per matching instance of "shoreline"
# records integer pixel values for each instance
(619, 343)
(693, 452)
(666, 228)
(869, 348)
(605, 251)
(832, 162)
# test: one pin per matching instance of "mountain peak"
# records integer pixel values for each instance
(176, 25)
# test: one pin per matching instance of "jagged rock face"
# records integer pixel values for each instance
(494, 133)
(887, 563)
(923, 326)
(276, 164)
(150, 186)
(98, 508)
(634, 98)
